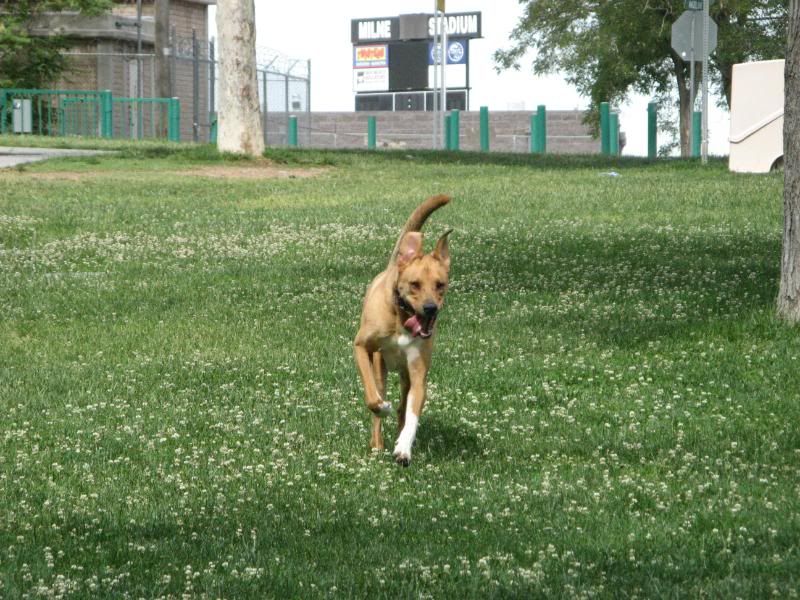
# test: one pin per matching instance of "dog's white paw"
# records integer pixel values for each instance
(402, 453)
(384, 410)
(402, 458)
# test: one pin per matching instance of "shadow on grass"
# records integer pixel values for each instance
(204, 153)
(695, 283)
(443, 439)
(440, 157)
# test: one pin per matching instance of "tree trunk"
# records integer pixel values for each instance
(726, 72)
(684, 109)
(239, 117)
(684, 104)
(789, 291)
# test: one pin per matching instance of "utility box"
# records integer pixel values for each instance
(22, 121)
(756, 116)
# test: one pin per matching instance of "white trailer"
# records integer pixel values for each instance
(756, 116)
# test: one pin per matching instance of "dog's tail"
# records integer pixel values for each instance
(418, 218)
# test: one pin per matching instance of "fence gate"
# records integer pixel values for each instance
(88, 114)
(56, 112)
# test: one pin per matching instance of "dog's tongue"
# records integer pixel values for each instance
(414, 325)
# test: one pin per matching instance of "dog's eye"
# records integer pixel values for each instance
(440, 286)
(415, 285)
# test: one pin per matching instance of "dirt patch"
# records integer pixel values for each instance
(252, 171)
(52, 176)
(257, 171)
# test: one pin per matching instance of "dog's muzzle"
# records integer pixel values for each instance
(421, 326)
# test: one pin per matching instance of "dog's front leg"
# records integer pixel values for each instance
(415, 401)
(372, 396)
(379, 371)
(405, 388)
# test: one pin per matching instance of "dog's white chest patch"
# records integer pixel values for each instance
(400, 351)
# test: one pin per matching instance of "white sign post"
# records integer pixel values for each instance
(443, 67)
(706, 51)
(436, 46)
(694, 30)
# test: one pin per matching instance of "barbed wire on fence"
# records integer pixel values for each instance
(267, 59)
(274, 61)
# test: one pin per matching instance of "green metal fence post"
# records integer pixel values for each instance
(372, 133)
(697, 132)
(212, 135)
(484, 128)
(447, 136)
(454, 130)
(3, 95)
(293, 131)
(652, 130)
(605, 134)
(107, 114)
(174, 120)
(541, 128)
(613, 145)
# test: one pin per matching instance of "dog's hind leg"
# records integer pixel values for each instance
(379, 373)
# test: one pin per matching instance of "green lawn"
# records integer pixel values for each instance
(613, 412)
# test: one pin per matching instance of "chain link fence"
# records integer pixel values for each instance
(284, 87)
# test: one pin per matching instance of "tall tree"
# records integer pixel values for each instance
(789, 290)
(608, 48)
(162, 49)
(239, 118)
(35, 62)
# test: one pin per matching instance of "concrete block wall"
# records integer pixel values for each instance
(509, 131)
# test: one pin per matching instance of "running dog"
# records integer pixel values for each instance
(397, 326)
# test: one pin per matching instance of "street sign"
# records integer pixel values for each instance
(687, 35)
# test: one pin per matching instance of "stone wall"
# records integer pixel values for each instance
(509, 131)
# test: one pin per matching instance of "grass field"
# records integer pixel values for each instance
(614, 410)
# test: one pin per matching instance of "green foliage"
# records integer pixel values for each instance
(34, 62)
(609, 48)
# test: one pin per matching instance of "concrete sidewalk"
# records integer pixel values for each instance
(11, 156)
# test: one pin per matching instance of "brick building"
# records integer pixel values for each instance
(103, 55)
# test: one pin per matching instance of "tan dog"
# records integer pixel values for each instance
(397, 324)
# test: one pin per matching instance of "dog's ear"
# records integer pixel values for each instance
(442, 251)
(410, 248)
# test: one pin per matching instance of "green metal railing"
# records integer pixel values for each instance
(89, 113)
(372, 133)
(60, 112)
(539, 130)
(150, 117)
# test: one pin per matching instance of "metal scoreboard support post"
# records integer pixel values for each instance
(438, 115)
(435, 74)
(439, 82)
(443, 63)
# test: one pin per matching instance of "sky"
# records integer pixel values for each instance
(320, 31)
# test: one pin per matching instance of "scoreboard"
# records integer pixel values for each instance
(393, 60)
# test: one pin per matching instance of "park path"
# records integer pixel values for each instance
(14, 156)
